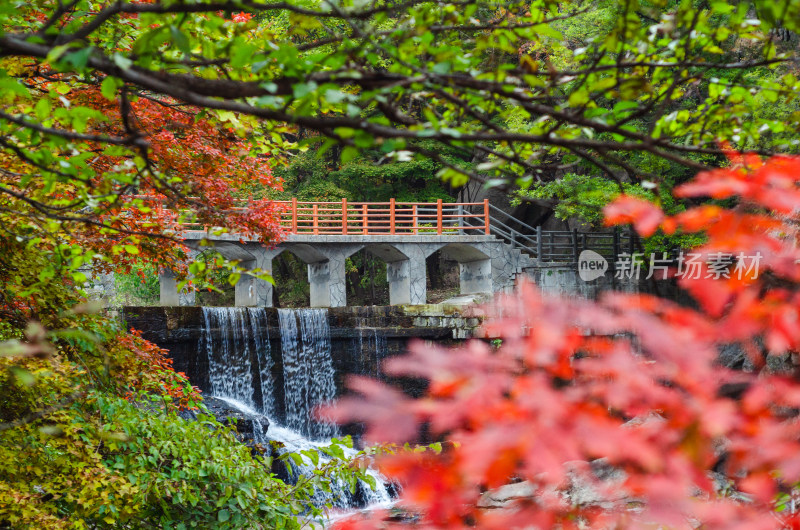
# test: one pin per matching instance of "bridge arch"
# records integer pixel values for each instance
(474, 267)
(405, 260)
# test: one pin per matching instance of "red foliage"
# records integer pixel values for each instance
(214, 179)
(200, 170)
(154, 372)
(644, 215)
(631, 379)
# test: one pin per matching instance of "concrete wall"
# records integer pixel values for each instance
(565, 281)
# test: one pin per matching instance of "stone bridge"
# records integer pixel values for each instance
(491, 253)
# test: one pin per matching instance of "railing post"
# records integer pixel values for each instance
(486, 219)
(391, 216)
(364, 219)
(630, 242)
(439, 216)
(539, 245)
(294, 215)
(615, 244)
(344, 216)
(315, 223)
(575, 245)
(414, 219)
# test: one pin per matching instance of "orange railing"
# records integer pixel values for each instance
(371, 218)
(384, 218)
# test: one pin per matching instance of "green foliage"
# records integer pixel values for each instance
(91, 437)
(581, 196)
(192, 472)
(370, 177)
(139, 287)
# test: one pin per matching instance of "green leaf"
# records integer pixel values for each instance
(301, 90)
(579, 97)
(78, 59)
(109, 88)
(223, 515)
(349, 153)
(23, 376)
(122, 61)
(42, 109)
(180, 39)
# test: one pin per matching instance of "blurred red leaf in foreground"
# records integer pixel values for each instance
(630, 383)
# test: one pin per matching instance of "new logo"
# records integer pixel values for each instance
(591, 265)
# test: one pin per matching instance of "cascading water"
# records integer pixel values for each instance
(307, 369)
(229, 365)
(230, 359)
(370, 340)
(258, 326)
(240, 365)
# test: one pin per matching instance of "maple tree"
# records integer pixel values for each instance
(101, 175)
(631, 381)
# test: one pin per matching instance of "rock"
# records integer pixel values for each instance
(589, 484)
(732, 356)
(598, 484)
(506, 495)
(246, 424)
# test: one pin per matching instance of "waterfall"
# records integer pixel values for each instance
(307, 368)
(340, 496)
(260, 331)
(230, 371)
(240, 369)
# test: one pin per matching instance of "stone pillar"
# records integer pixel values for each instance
(407, 277)
(245, 289)
(168, 286)
(476, 276)
(319, 279)
(327, 276)
(251, 291)
(168, 293)
(397, 273)
(407, 281)
(100, 286)
(263, 289)
(188, 296)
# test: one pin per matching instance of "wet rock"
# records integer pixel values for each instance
(246, 425)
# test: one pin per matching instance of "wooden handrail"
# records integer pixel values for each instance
(344, 216)
(400, 219)
(371, 218)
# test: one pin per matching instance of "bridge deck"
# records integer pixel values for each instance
(491, 247)
(194, 235)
